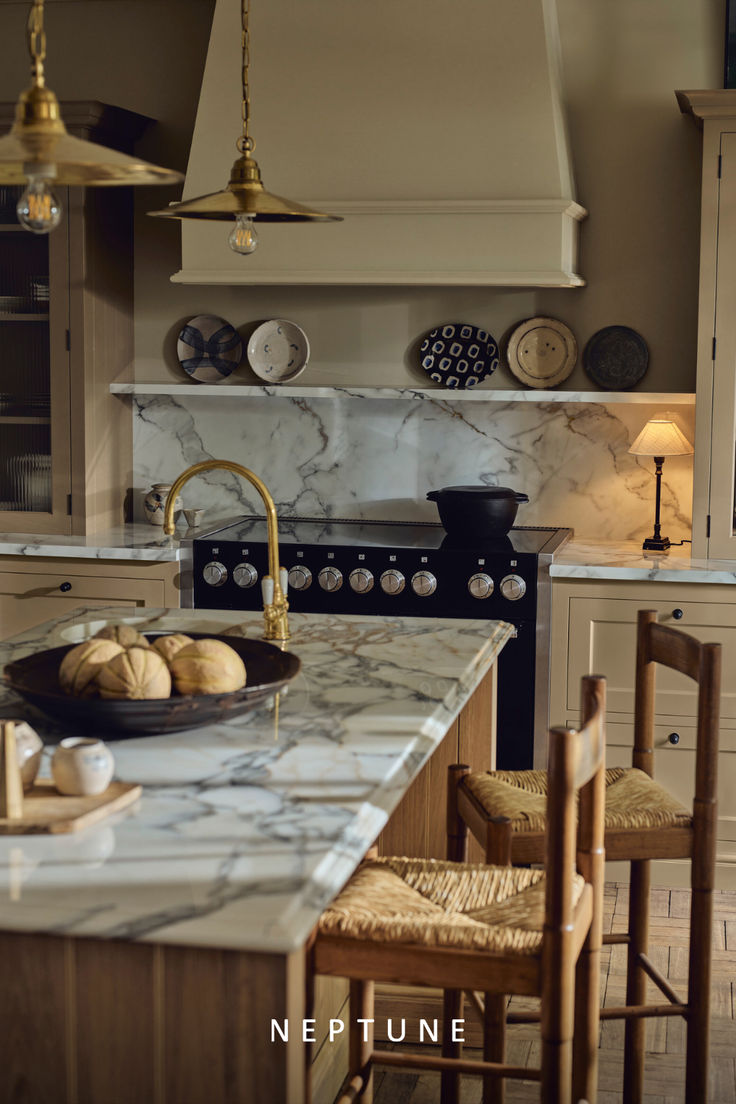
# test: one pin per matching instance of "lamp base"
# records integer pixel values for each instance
(657, 544)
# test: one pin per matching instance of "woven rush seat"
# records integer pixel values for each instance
(633, 799)
(466, 906)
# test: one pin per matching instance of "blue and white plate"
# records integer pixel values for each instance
(458, 355)
(278, 351)
(209, 348)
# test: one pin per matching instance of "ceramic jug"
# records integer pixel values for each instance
(155, 502)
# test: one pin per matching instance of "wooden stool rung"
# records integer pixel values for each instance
(661, 982)
(457, 1065)
(641, 1011)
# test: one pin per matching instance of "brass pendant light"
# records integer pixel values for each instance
(244, 200)
(38, 150)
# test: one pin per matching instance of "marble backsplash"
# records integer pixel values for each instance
(369, 458)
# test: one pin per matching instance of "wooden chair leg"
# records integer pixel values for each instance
(698, 1028)
(586, 1039)
(457, 829)
(452, 1009)
(309, 977)
(498, 841)
(634, 1039)
(556, 1083)
(494, 1046)
(360, 1036)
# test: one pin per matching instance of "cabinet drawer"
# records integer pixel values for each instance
(27, 599)
(603, 641)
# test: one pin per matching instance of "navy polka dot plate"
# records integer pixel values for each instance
(458, 355)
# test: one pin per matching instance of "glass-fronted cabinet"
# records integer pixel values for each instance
(34, 375)
(66, 333)
(714, 476)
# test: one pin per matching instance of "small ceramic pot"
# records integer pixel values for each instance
(82, 767)
(30, 747)
(155, 502)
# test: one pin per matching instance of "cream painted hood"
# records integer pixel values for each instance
(434, 127)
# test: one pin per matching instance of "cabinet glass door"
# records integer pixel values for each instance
(34, 375)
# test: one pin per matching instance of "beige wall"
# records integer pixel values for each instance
(636, 162)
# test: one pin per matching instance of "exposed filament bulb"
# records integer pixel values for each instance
(243, 237)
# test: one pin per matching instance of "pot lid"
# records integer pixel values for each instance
(479, 492)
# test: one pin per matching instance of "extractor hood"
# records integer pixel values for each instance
(435, 128)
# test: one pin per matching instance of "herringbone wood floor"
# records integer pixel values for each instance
(665, 1037)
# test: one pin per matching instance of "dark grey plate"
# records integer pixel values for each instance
(616, 358)
(35, 678)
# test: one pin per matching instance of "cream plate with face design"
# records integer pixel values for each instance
(278, 351)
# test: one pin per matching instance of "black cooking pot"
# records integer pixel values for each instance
(477, 512)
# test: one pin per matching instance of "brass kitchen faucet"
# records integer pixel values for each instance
(273, 585)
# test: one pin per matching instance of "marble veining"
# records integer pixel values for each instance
(339, 457)
(125, 542)
(247, 829)
(481, 393)
(616, 560)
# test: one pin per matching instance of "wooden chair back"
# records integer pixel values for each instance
(576, 762)
(701, 662)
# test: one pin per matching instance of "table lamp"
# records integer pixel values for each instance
(660, 437)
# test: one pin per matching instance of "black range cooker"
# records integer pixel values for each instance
(413, 569)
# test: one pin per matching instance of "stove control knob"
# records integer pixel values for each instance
(214, 573)
(361, 580)
(392, 581)
(330, 578)
(245, 575)
(300, 577)
(423, 583)
(480, 585)
(513, 587)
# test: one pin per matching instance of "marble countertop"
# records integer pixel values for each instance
(246, 829)
(587, 559)
(125, 542)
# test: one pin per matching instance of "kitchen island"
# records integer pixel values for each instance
(143, 960)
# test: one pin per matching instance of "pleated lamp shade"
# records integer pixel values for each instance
(661, 437)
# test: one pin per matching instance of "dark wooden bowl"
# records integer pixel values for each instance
(35, 678)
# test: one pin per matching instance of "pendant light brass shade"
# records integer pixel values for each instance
(39, 137)
(38, 141)
(244, 195)
(244, 199)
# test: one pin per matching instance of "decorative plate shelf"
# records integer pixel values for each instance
(432, 394)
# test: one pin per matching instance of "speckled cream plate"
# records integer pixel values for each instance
(542, 352)
(278, 351)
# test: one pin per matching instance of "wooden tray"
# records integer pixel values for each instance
(47, 811)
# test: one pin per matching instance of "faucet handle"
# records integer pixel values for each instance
(267, 590)
(284, 579)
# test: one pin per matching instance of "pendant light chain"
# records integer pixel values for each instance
(246, 144)
(37, 42)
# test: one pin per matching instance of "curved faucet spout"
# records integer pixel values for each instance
(275, 604)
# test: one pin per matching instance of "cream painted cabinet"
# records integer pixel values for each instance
(34, 590)
(594, 632)
(714, 478)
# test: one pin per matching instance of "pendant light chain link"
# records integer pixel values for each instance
(246, 144)
(36, 42)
